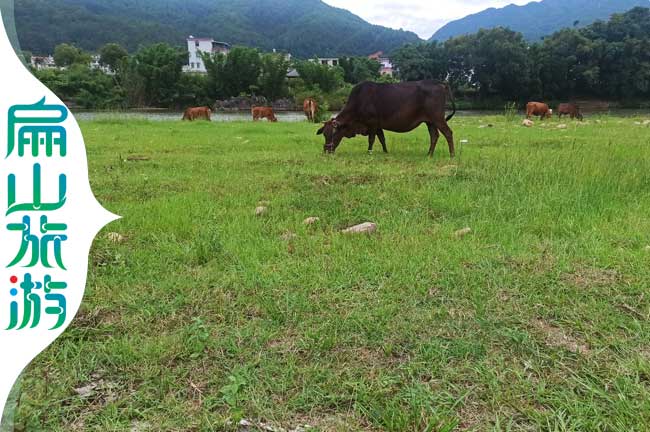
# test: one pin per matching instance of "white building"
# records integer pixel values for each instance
(196, 46)
(328, 61)
(96, 64)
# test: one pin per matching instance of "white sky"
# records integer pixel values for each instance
(423, 17)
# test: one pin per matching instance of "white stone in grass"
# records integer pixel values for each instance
(85, 391)
(561, 126)
(647, 248)
(364, 228)
(311, 220)
(463, 232)
(116, 237)
(646, 123)
(527, 123)
(288, 236)
(261, 210)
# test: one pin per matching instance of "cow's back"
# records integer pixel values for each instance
(537, 108)
(371, 101)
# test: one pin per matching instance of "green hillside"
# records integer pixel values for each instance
(303, 27)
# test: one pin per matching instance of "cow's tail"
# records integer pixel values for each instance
(453, 102)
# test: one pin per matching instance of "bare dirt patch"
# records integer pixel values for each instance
(587, 277)
(556, 337)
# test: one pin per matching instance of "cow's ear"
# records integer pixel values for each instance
(320, 131)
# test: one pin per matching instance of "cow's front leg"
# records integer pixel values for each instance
(382, 140)
(371, 142)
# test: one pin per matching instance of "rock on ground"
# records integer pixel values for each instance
(527, 123)
(311, 220)
(367, 227)
(261, 210)
(463, 232)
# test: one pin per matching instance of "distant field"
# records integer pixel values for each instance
(207, 314)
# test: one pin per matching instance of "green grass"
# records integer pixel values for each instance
(538, 320)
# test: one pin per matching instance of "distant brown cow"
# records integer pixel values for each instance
(310, 106)
(263, 112)
(198, 113)
(538, 109)
(570, 109)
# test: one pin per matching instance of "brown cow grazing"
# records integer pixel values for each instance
(570, 109)
(310, 107)
(538, 109)
(402, 107)
(263, 112)
(198, 113)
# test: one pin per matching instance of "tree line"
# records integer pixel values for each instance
(609, 60)
(153, 77)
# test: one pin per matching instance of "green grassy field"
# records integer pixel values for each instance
(208, 314)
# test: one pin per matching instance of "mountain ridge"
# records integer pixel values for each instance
(538, 19)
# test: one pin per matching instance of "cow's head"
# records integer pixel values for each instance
(333, 131)
(549, 114)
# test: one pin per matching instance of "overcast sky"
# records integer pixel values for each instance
(423, 17)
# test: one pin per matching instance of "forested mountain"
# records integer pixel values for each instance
(536, 20)
(303, 27)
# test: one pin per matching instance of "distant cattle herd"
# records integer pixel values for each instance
(373, 108)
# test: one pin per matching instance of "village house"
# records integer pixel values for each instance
(43, 62)
(386, 64)
(96, 64)
(196, 46)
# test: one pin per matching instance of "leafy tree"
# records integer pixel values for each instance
(192, 90)
(567, 64)
(273, 78)
(323, 77)
(422, 61)
(359, 69)
(112, 55)
(233, 74)
(498, 61)
(159, 68)
(90, 89)
(387, 79)
(66, 55)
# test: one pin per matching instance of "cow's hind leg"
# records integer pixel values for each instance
(371, 141)
(449, 136)
(434, 134)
